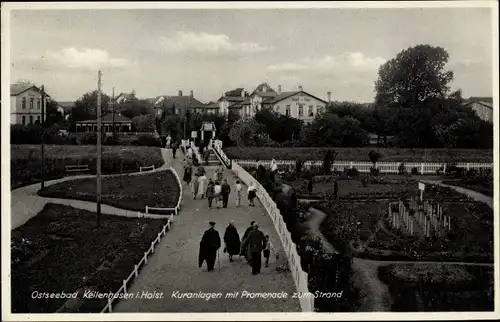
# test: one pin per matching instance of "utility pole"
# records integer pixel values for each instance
(98, 211)
(113, 107)
(42, 123)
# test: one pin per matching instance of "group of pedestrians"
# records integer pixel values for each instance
(253, 245)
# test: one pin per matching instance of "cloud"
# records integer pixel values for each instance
(347, 64)
(86, 59)
(213, 44)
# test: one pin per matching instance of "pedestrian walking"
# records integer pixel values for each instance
(220, 173)
(268, 248)
(201, 171)
(274, 169)
(210, 192)
(194, 185)
(243, 251)
(252, 193)
(202, 183)
(238, 193)
(209, 245)
(188, 170)
(218, 194)
(174, 149)
(169, 140)
(225, 191)
(232, 241)
(206, 155)
(255, 243)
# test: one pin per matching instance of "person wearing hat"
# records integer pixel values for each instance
(255, 243)
(232, 241)
(209, 245)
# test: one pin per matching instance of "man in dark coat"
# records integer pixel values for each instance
(256, 242)
(174, 149)
(232, 241)
(210, 243)
(225, 190)
(245, 235)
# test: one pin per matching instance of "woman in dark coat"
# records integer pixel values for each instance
(188, 172)
(232, 241)
(245, 235)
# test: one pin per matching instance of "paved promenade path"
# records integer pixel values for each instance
(26, 203)
(174, 266)
(468, 192)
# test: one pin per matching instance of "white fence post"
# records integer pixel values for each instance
(468, 166)
(145, 258)
(152, 247)
(147, 209)
(136, 271)
(110, 310)
(422, 168)
(124, 286)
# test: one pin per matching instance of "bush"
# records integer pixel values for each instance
(414, 171)
(298, 167)
(352, 172)
(402, 168)
(147, 140)
(374, 171)
(89, 138)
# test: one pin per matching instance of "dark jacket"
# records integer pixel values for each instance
(210, 190)
(232, 240)
(210, 242)
(225, 188)
(255, 242)
(201, 171)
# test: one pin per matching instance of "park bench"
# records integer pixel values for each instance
(73, 169)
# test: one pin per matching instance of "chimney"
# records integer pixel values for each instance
(328, 97)
(279, 89)
(180, 93)
(191, 94)
(300, 88)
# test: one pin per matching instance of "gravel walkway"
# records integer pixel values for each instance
(174, 267)
(468, 192)
(26, 203)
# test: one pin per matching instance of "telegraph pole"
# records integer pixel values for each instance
(42, 124)
(98, 149)
(113, 107)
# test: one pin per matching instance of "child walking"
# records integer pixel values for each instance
(267, 250)
(238, 193)
(210, 193)
(252, 194)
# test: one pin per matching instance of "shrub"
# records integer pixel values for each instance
(402, 168)
(146, 140)
(374, 171)
(352, 172)
(374, 157)
(328, 159)
(414, 171)
(89, 138)
(298, 166)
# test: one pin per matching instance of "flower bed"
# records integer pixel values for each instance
(434, 288)
(361, 154)
(132, 192)
(26, 160)
(61, 250)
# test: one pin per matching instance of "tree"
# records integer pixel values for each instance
(374, 157)
(279, 127)
(323, 131)
(134, 107)
(415, 75)
(352, 134)
(144, 123)
(246, 132)
(86, 106)
(328, 159)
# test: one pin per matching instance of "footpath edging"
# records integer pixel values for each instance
(299, 276)
(150, 251)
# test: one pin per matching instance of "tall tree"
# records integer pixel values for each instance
(415, 75)
(86, 106)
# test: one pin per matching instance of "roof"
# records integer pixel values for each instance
(16, 89)
(127, 96)
(259, 90)
(240, 104)
(236, 92)
(168, 102)
(109, 118)
(66, 105)
(285, 95)
(481, 99)
(212, 105)
(232, 98)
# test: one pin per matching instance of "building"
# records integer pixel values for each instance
(231, 100)
(65, 108)
(124, 97)
(261, 93)
(177, 105)
(25, 104)
(122, 124)
(211, 108)
(483, 106)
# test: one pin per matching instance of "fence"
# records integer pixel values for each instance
(299, 276)
(148, 168)
(216, 145)
(144, 260)
(135, 271)
(384, 167)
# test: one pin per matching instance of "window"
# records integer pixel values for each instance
(38, 103)
(288, 111)
(24, 119)
(319, 109)
(38, 118)
(311, 110)
(301, 110)
(23, 104)
(31, 119)
(277, 108)
(31, 103)
(307, 99)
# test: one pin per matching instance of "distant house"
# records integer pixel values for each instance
(65, 108)
(121, 123)
(177, 105)
(124, 97)
(483, 106)
(25, 104)
(231, 98)
(211, 108)
(261, 93)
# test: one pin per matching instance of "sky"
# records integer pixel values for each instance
(161, 51)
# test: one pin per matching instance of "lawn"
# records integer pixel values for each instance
(63, 252)
(361, 154)
(434, 288)
(132, 192)
(26, 160)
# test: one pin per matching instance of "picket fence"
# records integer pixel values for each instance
(384, 167)
(144, 259)
(148, 168)
(299, 276)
